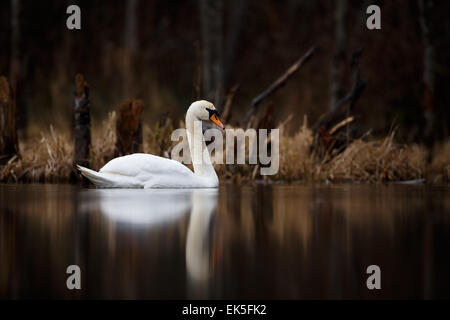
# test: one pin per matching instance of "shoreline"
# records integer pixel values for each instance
(50, 159)
(417, 182)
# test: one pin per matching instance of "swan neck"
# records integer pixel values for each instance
(201, 160)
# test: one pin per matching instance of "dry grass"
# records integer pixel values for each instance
(439, 170)
(376, 161)
(379, 160)
(296, 160)
(49, 158)
(103, 142)
(157, 138)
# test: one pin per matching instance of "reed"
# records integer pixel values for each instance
(379, 160)
(439, 169)
(103, 142)
(50, 158)
(297, 162)
(47, 159)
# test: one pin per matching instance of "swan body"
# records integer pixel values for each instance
(141, 170)
(149, 171)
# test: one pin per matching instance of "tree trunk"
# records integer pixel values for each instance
(346, 105)
(15, 68)
(235, 21)
(82, 122)
(15, 42)
(129, 128)
(8, 134)
(211, 12)
(425, 8)
(130, 46)
(337, 66)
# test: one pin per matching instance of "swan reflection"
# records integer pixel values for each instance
(152, 208)
(143, 208)
(204, 203)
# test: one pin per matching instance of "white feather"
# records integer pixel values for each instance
(148, 171)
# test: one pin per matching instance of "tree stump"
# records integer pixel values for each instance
(9, 146)
(82, 122)
(129, 128)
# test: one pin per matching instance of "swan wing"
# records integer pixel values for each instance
(151, 171)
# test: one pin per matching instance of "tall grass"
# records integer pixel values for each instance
(103, 142)
(45, 159)
(49, 158)
(439, 170)
(297, 162)
(376, 161)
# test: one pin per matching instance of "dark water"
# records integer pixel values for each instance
(280, 242)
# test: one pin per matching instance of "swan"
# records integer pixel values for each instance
(141, 170)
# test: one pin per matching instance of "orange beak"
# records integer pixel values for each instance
(216, 120)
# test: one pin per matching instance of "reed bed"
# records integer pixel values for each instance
(50, 158)
(379, 160)
(103, 142)
(297, 161)
(439, 170)
(45, 159)
(376, 161)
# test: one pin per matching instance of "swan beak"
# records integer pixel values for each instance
(216, 120)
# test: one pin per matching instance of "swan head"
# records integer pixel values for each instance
(205, 111)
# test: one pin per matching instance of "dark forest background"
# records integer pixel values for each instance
(170, 53)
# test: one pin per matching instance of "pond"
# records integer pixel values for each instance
(254, 241)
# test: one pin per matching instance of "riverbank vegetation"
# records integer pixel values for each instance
(49, 158)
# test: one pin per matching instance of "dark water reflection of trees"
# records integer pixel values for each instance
(240, 242)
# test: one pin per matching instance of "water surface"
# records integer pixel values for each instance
(260, 242)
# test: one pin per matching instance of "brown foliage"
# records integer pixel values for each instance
(129, 127)
(439, 170)
(49, 159)
(376, 161)
(103, 146)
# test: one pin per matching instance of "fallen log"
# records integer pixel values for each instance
(327, 130)
(9, 146)
(346, 105)
(280, 82)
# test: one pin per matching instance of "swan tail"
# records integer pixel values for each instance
(97, 178)
(109, 179)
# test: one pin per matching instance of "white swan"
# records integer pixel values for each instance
(148, 171)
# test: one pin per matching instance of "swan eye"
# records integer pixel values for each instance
(216, 120)
(212, 112)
